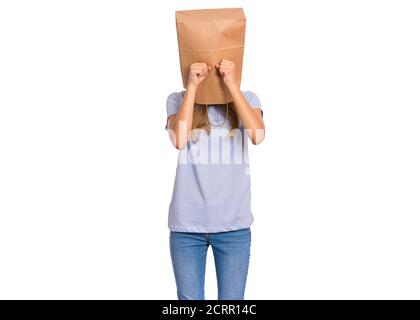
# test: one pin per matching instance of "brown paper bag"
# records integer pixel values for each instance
(209, 35)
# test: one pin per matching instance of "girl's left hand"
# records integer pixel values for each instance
(226, 69)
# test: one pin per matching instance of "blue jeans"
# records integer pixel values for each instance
(231, 252)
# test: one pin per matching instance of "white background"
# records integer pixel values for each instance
(87, 169)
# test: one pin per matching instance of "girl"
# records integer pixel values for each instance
(211, 198)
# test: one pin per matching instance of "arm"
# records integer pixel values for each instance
(251, 118)
(180, 124)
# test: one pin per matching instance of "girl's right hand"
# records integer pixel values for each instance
(198, 72)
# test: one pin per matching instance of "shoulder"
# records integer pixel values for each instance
(173, 102)
(252, 98)
(175, 96)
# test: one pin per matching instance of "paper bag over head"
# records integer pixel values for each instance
(210, 35)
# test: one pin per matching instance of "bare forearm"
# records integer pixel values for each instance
(251, 120)
(182, 123)
(245, 112)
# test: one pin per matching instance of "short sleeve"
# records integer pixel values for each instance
(173, 103)
(253, 100)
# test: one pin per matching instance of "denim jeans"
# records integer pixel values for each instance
(231, 252)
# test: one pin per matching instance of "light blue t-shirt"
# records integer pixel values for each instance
(212, 184)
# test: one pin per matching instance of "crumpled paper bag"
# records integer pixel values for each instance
(209, 35)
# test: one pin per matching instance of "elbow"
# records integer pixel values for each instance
(257, 141)
(179, 145)
(258, 137)
(176, 141)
